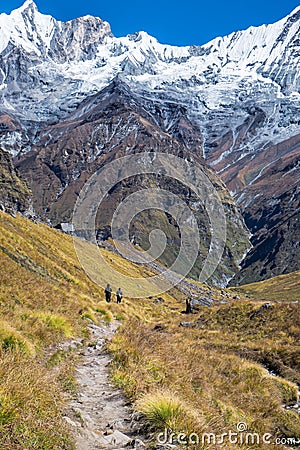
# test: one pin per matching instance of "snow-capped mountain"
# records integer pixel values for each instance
(239, 95)
(47, 67)
(59, 62)
(45, 37)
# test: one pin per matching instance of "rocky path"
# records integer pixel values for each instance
(99, 416)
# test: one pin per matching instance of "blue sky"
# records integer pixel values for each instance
(185, 22)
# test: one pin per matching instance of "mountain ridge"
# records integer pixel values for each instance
(109, 125)
(239, 94)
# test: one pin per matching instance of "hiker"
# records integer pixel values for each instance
(188, 309)
(119, 295)
(108, 293)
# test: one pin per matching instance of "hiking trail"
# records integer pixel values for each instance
(99, 416)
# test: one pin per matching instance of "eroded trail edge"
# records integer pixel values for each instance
(99, 416)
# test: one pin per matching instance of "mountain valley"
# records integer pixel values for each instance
(232, 103)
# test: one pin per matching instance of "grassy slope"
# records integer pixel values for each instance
(282, 288)
(209, 376)
(45, 298)
(215, 373)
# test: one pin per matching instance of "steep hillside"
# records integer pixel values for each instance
(284, 288)
(46, 303)
(257, 65)
(47, 298)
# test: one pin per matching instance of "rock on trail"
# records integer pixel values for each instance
(99, 416)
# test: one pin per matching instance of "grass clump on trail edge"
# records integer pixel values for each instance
(283, 288)
(162, 409)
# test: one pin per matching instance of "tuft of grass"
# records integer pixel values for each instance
(89, 313)
(56, 323)
(56, 358)
(288, 391)
(162, 410)
(13, 341)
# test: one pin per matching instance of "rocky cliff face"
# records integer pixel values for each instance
(107, 126)
(239, 95)
(15, 195)
(271, 203)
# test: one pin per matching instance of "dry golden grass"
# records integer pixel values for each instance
(206, 378)
(213, 369)
(282, 288)
(45, 298)
(31, 405)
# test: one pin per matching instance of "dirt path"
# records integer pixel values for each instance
(99, 416)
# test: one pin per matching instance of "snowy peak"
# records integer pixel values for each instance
(25, 27)
(296, 10)
(267, 50)
(27, 4)
(46, 37)
(72, 59)
(256, 52)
